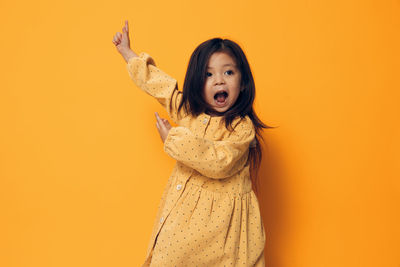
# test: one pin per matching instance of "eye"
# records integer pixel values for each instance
(207, 74)
(230, 72)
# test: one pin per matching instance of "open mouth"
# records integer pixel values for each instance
(220, 98)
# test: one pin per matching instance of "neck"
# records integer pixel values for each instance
(214, 113)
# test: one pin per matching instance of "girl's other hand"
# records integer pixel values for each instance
(163, 127)
(121, 41)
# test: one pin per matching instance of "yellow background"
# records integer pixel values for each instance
(81, 162)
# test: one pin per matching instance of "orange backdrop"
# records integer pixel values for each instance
(81, 163)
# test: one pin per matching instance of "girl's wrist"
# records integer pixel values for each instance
(128, 54)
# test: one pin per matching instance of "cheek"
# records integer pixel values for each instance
(235, 85)
(239, 80)
(207, 91)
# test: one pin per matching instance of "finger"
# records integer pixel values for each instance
(127, 28)
(157, 117)
(161, 124)
(155, 114)
(161, 121)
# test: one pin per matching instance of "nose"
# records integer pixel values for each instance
(219, 79)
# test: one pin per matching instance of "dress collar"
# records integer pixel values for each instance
(204, 118)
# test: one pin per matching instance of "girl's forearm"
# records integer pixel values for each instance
(128, 54)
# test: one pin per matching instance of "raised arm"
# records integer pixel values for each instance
(215, 159)
(144, 73)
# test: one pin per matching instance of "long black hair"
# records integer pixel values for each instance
(194, 104)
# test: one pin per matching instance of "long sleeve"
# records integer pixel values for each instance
(215, 159)
(155, 82)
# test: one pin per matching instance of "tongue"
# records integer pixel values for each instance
(220, 97)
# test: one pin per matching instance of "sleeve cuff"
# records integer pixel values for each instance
(169, 139)
(142, 56)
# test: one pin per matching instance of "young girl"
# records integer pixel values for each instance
(208, 214)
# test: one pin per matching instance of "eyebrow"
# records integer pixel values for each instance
(224, 66)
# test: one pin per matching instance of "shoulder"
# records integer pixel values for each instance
(243, 128)
(243, 124)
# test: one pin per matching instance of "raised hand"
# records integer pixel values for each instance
(163, 127)
(122, 43)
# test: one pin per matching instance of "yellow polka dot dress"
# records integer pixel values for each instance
(208, 214)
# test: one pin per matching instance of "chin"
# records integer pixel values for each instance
(216, 111)
(221, 110)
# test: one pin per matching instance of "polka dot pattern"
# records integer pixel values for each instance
(208, 213)
(155, 82)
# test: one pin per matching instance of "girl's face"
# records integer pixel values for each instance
(222, 82)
